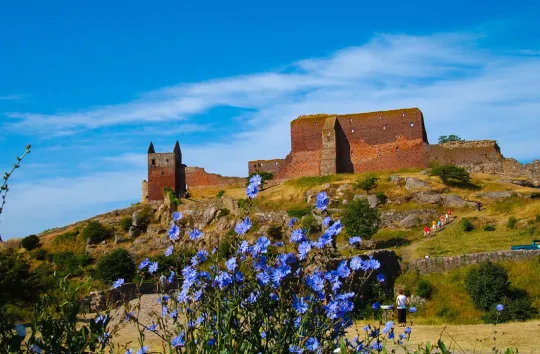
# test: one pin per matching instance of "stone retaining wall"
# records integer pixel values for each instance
(445, 264)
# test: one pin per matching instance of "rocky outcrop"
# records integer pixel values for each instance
(455, 201)
(415, 183)
(395, 179)
(371, 199)
(393, 218)
(495, 195)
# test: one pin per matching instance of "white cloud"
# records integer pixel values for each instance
(14, 97)
(460, 87)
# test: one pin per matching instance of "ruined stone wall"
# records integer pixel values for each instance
(379, 141)
(144, 194)
(445, 264)
(197, 177)
(161, 174)
(272, 166)
(464, 153)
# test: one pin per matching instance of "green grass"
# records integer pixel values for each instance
(311, 182)
(454, 241)
(450, 303)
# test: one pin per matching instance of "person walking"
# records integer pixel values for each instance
(478, 206)
(402, 302)
(434, 225)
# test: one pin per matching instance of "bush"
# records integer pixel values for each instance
(241, 203)
(512, 223)
(225, 247)
(467, 225)
(368, 183)
(40, 254)
(67, 263)
(518, 308)
(66, 237)
(275, 232)
(381, 198)
(424, 289)
(125, 223)
(360, 219)
(310, 224)
(117, 264)
(30, 242)
(535, 195)
(446, 138)
(449, 173)
(299, 212)
(489, 227)
(145, 216)
(220, 194)
(487, 285)
(95, 232)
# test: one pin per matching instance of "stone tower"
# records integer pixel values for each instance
(164, 170)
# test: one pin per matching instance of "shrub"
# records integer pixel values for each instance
(275, 232)
(512, 223)
(125, 223)
(518, 308)
(40, 254)
(241, 203)
(300, 211)
(489, 227)
(360, 219)
(446, 138)
(310, 224)
(537, 219)
(117, 264)
(220, 194)
(66, 263)
(95, 232)
(487, 285)
(225, 247)
(449, 173)
(467, 225)
(145, 216)
(381, 198)
(368, 183)
(223, 212)
(535, 195)
(424, 289)
(66, 237)
(30, 242)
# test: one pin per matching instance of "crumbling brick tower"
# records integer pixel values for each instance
(165, 170)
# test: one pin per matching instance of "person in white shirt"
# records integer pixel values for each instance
(402, 302)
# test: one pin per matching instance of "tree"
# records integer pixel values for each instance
(368, 183)
(30, 242)
(449, 173)
(117, 264)
(487, 285)
(360, 219)
(265, 176)
(446, 138)
(95, 232)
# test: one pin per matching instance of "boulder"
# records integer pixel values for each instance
(395, 179)
(136, 218)
(495, 195)
(428, 198)
(424, 172)
(155, 230)
(415, 183)
(134, 231)
(231, 204)
(209, 214)
(119, 238)
(310, 199)
(372, 199)
(393, 218)
(520, 182)
(455, 201)
(409, 222)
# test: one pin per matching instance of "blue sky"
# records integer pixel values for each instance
(89, 85)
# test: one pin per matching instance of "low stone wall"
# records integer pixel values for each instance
(445, 264)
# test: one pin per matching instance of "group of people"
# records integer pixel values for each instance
(438, 224)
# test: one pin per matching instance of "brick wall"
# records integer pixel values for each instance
(444, 264)
(464, 153)
(161, 174)
(272, 166)
(197, 177)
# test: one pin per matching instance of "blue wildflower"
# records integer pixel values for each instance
(169, 251)
(190, 275)
(243, 227)
(251, 191)
(174, 232)
(376, 306)
(303, 249)
(299, 305)
(274, 297)
(408, 330)
(153, 267)
(343, 270)
(152, 327)
(101, 318)
(373, 264)
(261, 246)
(244, 247)
(178, 341)
(252, 298)
(171, 277)
(377, 346)
(177, 215)
(322, 201)
(292, 222)
(239, 277)
(144, 264)
(355, 240)
(211, 341)
(326, 221)
(129, 316)
(380, 278)
(295, 349)
(118, 283)
(256, 180)
(195, 234)
(356, 263)
(335, 228)
(412, 309)
(35, 349)
(263, 278)
(316, 282)
(325, 239)
(143, 350)
(20, 330)
(231, 264)
(279, 244)
(164, 311)
(499, 307)
(223, 279)
(173, 314)
(263, 334)
(312, 344)
(298, 235)
(279, 273)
